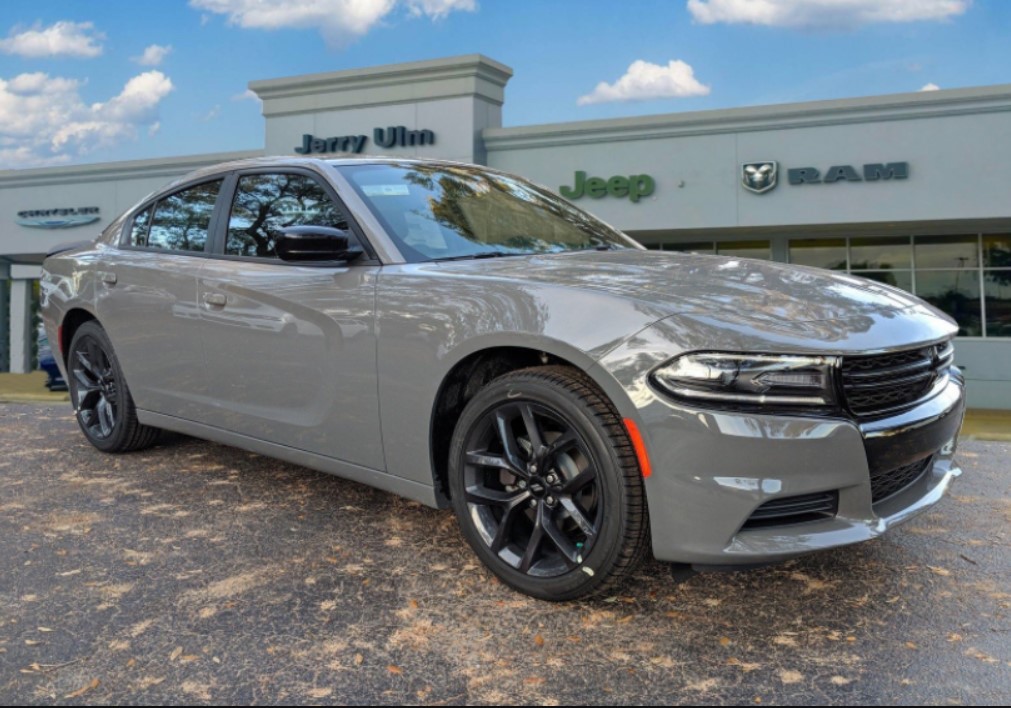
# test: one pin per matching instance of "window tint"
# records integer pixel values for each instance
(138, 233)
(266, 204)
(181, 220)
(745, 249)
(946, 251)
(819, 252)
(880, 253)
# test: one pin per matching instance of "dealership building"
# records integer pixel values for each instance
(910, 189)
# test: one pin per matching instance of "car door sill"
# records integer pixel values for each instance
(422, 493)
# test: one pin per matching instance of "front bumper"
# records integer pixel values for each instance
(713, 469)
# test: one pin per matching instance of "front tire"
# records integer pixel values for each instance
(546, 485)
(105, 409)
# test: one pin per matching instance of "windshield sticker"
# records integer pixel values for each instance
(385, 190)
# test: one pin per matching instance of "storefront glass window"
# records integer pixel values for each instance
(955, 292)
(827, 253)
(897, 278)
(705, 247)
(880, 253)
(998, 302)
(745, 249)
(997, 250)
(946, 251)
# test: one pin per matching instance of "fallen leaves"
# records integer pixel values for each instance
(789, 676)
(943, 572)
(745, 666)
(91, 686)
(974, 653)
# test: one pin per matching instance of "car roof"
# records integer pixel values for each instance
(320, 164)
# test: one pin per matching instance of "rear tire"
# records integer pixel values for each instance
(546, 485)
(105, 409)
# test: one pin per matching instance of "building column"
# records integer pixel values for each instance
(21, 326)
(4, 312)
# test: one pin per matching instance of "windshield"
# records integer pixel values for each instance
(440, 212)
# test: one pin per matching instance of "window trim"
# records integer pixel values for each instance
(124, 237)
(220, 235)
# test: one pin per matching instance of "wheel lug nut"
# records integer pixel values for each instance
(533, 503)
(522, 484)
(552, 479)
(550, 501)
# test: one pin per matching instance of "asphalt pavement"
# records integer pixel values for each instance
(195, 573)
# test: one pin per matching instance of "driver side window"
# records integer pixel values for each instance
(266, 204)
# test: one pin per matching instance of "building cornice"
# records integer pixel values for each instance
(468, 75)
(130, 169)
(902, 106)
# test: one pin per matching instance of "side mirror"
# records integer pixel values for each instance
(317, 243)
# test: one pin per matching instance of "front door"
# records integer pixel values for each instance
(291, 350)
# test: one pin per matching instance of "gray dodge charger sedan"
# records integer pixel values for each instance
(464, 338)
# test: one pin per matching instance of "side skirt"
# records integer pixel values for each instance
(422, 493)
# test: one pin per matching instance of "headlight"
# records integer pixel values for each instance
(750, 378)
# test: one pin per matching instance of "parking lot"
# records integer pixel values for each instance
(196, 573)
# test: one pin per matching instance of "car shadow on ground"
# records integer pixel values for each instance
(194, 572)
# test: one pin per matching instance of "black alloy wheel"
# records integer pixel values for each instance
(95, 392)
(105, 409)
(531, 488)
(546, 485)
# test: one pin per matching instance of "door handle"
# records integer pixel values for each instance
(215, 299)
(109, 278)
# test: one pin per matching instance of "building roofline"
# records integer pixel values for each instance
(155, 167)
(433, 79)
(899, 106)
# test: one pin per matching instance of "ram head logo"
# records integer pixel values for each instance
(759, 177)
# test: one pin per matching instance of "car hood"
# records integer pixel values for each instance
(670, 284)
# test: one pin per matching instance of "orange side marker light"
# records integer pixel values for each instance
(639, 446)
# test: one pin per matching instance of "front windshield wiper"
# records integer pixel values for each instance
(482, 254)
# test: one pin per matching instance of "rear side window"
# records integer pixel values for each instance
(181, 221)
(267, 204)
(138, 232)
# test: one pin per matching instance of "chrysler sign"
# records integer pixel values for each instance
(65, 218)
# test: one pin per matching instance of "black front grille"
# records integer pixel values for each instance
(881, 383)
(794, 510)
(887, 483)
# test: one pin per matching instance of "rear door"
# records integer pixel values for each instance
(291, 350)
(147, 299)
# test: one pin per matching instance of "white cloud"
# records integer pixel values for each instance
(822, 13)
(153, 55)
(71, 39)
(44, 120)
(437, 9)
(211, 114)
(339, 21)
(247, 95)
(930, 87)
(644, 81)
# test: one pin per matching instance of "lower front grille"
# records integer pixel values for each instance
(887, 483)
(794, 510)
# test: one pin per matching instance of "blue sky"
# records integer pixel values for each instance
(73, 87)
